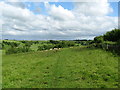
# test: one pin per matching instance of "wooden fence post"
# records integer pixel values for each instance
(107, 46)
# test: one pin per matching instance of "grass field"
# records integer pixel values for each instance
(64, 68)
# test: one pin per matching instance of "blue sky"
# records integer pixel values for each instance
(33, 6)
(114, 5)
(67, 5)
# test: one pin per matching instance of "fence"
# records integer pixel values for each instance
(108, 47)
(111, 47)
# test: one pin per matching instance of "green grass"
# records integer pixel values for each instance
(35, 46)
(66, 68)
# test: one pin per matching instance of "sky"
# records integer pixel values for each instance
(57, 20)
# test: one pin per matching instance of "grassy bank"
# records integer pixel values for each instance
(65, 68)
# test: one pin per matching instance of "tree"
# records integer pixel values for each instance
(113, 35)
(99, 39)
(54, 42)
(40, 48)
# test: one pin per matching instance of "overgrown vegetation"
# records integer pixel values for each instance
(18, 46)
(109, 41)
(113, 35)
(18, 50)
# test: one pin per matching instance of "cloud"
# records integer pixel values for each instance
(84, 21)
(100, 8)
(60, 13)
(15, 3)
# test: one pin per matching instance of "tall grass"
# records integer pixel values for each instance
(64, 68)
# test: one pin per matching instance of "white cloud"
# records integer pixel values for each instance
(16, 3)
(60, 13)
(86, 20)
(100, 8)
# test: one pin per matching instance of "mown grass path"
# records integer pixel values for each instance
(65, 68)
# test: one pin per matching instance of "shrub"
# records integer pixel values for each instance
(113, 35)
(13, 44)
(45, 47)
(13, 50)
(54, 41)
(1, 46)
(58, 46)
(98, 39)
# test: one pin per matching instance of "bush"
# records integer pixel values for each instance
(113, 35)
(118, 43)
(54, 41)
(40, 48)
(45, 47)
(18, 50)
(28, 44)
(11, 51)
(58, 46)
(1, 46)
(98, 39)
(12, 44)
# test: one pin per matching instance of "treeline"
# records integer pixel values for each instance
(15, 44)
(12, 47)
(56, 44)
(16, 47)
(113, 36)
(109, 41)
